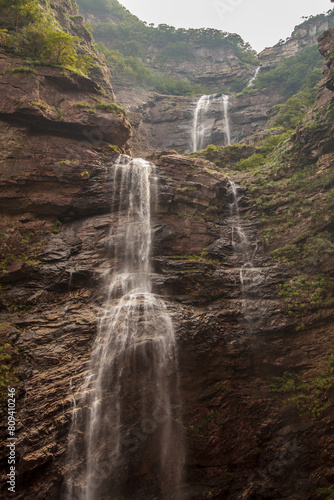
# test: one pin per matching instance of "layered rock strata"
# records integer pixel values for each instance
(236, 429)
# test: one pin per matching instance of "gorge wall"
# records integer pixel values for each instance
(163, 122)
(244, 439)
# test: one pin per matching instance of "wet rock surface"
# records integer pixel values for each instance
(240, 436)
(166, 122)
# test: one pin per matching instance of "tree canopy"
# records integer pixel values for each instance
(28, 31)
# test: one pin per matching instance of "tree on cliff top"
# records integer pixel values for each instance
(28, 31)
(15, 14)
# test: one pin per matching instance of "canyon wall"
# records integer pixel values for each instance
(166, 122)
(244, 439)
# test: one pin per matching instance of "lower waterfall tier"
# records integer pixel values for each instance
(240, 436)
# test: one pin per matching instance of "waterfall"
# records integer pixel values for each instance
(226, 104)
(199, 131)
(204, 120)
(240, 241)
(252, 80)
(126, 431)
(250, 276)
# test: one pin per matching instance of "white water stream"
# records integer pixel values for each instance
(226, 105)
(126, 416)
(252, 80)
(250, 276)
(203, 124)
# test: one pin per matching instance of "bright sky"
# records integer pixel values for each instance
(262, 23)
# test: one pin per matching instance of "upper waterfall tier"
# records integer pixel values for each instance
(205, 118)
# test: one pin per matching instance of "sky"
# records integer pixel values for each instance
(262, 23)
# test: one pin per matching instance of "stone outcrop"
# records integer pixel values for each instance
(66, 14)
(210, 66)
(315, 136)
(303, 35)
(59, 103)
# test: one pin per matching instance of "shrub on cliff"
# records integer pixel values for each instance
(293, 110)
(27, 31)
(293, 73)
(133, 70)
(15, 14)
(177, 51)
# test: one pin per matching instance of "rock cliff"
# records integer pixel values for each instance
(246, 436)
(166, 122)
(241, 439)
(51, 298)
(303, 35)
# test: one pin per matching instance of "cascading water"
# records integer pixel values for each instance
(126, 433)
(252, 80)
(250, 276)
(226, 105)
(199, 130)
(204, 121)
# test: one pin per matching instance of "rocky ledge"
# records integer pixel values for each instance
(60, 103)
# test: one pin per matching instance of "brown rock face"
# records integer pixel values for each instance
(51, 102)
(242, 441)
(166, 122)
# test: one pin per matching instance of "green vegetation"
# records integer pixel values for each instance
(295, 203)
(326, 491)
(131, 69)
(188, 188)
(130, 41)
(302, 294)
(243, 157)
(200, 430)
(42, 105)
(130, 28)
(56, 227)
(84, 105)
(225, 157)
(176, 51)
(291, 113)
(202, 257)
(110, 107)
(29, 31)
(106, 6)
(24, 69)
(294, 73)
(18, 244)
(312, 395)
